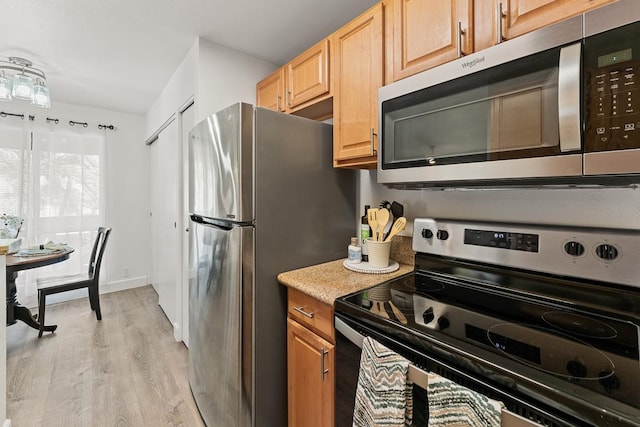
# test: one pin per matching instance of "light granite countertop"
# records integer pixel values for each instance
(330, 280)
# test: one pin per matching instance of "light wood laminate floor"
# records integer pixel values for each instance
(125, 370)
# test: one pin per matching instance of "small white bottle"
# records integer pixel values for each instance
(354, 251)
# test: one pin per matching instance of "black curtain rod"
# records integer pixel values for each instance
(3, 114)
(56, 121)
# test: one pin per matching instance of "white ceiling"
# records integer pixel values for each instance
(119, 54)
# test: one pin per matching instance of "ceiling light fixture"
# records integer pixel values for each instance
(20, 80)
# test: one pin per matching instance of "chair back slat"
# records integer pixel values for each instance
(98, 251)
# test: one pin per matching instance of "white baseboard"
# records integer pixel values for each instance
(118, 285)
(121, 285)
(177, 332)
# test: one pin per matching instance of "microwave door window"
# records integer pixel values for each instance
(443, 133)
(502, 113)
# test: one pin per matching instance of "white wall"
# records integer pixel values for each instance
(213, 76)
(180, 88)
(127, 188)
(590, 207)
(226, 76)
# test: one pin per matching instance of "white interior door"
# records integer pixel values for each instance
(165, 246)
(187, 119)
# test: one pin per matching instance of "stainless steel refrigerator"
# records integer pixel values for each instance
(263, 198)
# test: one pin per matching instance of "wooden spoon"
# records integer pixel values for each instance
(373, 222)
(382, 216)
(397, 227)
(399, 315)
(382, 311)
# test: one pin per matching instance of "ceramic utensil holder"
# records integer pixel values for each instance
(378, 253)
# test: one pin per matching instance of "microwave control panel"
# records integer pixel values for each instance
(612, 90)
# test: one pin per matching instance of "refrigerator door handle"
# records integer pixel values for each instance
(220, 224)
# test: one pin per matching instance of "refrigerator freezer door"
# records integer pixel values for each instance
(221, 165)
(220, 319)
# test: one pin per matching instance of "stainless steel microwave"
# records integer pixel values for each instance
(561, 104)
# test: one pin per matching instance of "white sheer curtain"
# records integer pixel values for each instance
(54, 177)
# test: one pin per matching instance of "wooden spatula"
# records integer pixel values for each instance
(382, 216)
(397, 227)
(373, 222)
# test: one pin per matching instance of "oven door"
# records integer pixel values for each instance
(509, 112)
(348, 350)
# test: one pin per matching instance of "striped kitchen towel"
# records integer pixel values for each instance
(453, 405)
(383, 394)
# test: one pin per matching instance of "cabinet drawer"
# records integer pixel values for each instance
(311, 313)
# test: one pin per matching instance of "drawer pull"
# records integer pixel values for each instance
(303, 312)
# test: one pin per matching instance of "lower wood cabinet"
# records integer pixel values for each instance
(310, 362)
(311, 378)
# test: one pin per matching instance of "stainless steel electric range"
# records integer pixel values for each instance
(545, 319)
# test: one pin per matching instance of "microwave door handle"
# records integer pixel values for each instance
(569, 97)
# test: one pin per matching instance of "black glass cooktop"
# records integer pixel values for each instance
(582, 335)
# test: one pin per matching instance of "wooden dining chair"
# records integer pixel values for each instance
(89, 280)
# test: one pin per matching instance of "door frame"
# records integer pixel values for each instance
(181, 331)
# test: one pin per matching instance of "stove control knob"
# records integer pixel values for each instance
(442, 234)
(426, 233)
(443, 323)
(576, 369)
(609, 381)
(574, 248)
(428, 315)
(607, 252)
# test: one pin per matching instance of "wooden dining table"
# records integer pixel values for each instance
(15, 264)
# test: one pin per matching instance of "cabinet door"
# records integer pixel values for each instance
(311, 378)
(270, 91)
(521, 16)
(358, 73)
(427, 33)
(308, 75)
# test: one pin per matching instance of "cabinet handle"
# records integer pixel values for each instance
(323, 371)
(278, 102)
(287, 100)
(461, 32)
(499, 16)
(302, 311)
(373, 134)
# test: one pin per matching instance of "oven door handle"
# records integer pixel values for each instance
(415, 374)
(420, 377)
(351, 334)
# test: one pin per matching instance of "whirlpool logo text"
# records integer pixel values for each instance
(471, 64)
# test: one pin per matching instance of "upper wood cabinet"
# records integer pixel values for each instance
(522, 16)
(307, 76)
(270, 91)
(299, 85)
(427, 33)
(358, 73)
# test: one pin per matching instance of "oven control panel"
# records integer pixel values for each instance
(501, 239)
(608, 255)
